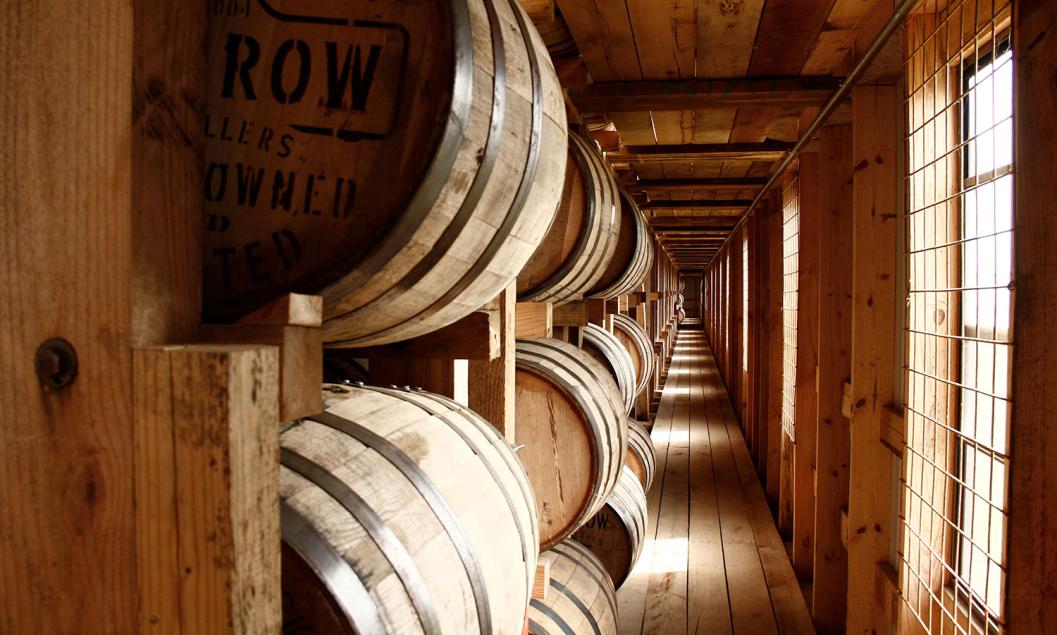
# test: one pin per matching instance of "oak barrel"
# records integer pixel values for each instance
(401, 158)
(639, 346)
(581, 598)
(617, 531)
(583, 237)
(642, 456)
(632, 257)
(575, 439)
(403, 512)
(607, 349)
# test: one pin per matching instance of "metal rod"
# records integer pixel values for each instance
(831, 104)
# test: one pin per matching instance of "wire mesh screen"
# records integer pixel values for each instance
(959, 255)
(745, 301)
(790, 271)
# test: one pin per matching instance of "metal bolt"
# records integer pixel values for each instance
(56, 363)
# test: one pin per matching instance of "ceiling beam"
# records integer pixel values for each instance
(702, 94)
(699, 214)
(697, 204)
(660, 231)
(764, 151)
(688, 185)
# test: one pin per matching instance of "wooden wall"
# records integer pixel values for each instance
(840, 279)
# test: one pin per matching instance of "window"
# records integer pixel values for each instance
(959, 260)
(987, 273)
(790, 288)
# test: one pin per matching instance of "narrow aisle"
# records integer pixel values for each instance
(713, 561)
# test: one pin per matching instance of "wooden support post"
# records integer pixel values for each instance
(806, 404)
(877, 184)
(748, 388)
(734, 335)
(68, 546)
(830, 587)
(786, 491)
(491, 382)
(775, 350)
(1031, 601)
(761, 289)
(207, 444)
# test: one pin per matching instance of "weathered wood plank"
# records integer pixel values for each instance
(787, 33)
(68, 547)
(708, 587)
(830, 587)
(726, 33)
(490, 382)
(604, 36)
(877, 184)
(207, 477)
(1033, 472)
(750, 601)
(666, 595)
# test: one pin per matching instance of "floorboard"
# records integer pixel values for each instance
(713, 562)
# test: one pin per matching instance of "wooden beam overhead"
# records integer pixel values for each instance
(739, 204)
(764, 151)
(702, 94)
(687, 185)
(725, 221)
(695, 214)
(668, 229)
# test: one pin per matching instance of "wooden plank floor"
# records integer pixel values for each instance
(713, 561)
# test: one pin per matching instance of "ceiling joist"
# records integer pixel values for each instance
(688, 185)
(702, 94)
(729, 204)
(764, 151)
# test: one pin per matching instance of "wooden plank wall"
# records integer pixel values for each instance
(1032, 551)
(877, 184)
(835, 479)
(830, 588)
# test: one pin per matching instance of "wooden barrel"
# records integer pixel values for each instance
(402, 158)
(639, 346)
(575, 439)
(632, 257)
(583, 237)
(642, 456)
(403, 512)
(617, 531)
(556, 36)
(581, 598)
(607, 349)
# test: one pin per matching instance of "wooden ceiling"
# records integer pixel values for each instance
(696, 101)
